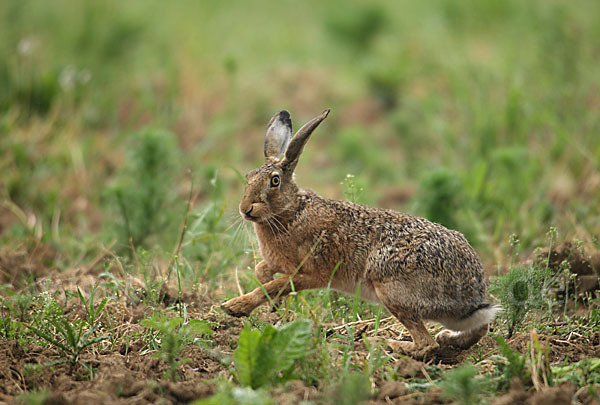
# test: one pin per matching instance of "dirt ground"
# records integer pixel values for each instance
(127, 373)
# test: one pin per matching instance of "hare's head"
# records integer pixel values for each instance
(270, 189)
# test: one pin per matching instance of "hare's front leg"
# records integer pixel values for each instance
(264, 273)
(280, 287)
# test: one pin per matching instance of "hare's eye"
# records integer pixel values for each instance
(275, 180)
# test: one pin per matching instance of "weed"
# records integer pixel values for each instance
(521, 290)
(462, 385)
(227, 394)
(69, 337)
(18, 305)
(270, 356)
(143, 190)
(539, 362)
(174, 335)
(441, 197)
(35, 397)
(510, 365)
(31, 372)
(352, 191)
(93, 311)
(585, 372)
(357, 27)
(352, 388)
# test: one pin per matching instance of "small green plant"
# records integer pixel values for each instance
(227, 394)
(352, 191)
(270, 356)
(93, 311)
(462, 385)
(521, 290)
(441, 197)
(70, 338)
(510, 365)
(143, 189)
(35, 397)
(174, 335)
(31, 373)
(18, 305)
(585, 372)
(357, 27)
(539, 362)
(353, 388)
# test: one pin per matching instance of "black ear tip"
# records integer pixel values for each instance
(284, 116)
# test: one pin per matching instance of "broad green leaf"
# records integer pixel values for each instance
(198, 327)
(290, 343)
(246, 354)
(266, 362)
(260, 358)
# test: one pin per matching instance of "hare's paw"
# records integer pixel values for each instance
(462, 340)
(238, 307)
(411, 349)
(446, 337)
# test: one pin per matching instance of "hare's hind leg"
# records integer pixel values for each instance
(280, 287)
(423, 343)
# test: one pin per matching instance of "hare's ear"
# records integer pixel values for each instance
(279, 133)
(297, 143)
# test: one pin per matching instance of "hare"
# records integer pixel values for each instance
(417, 269)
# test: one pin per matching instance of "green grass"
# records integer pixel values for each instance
(126, 128)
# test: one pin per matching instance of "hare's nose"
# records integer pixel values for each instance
(250, 210)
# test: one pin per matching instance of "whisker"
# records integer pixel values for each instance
(233, 223)
(283, 228)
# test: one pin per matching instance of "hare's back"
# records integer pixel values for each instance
(416, 248)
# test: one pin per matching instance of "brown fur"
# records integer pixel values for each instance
(417, 269)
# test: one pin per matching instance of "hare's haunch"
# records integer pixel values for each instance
(417, 269)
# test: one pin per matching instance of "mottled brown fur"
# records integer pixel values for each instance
(417, 269)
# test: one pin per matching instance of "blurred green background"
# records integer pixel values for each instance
(481, 115)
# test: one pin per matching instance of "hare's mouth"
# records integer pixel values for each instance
(248, 217)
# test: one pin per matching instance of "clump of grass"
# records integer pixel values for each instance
(144, 191)
(385, 84)
(356, 27)
(442, 198)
